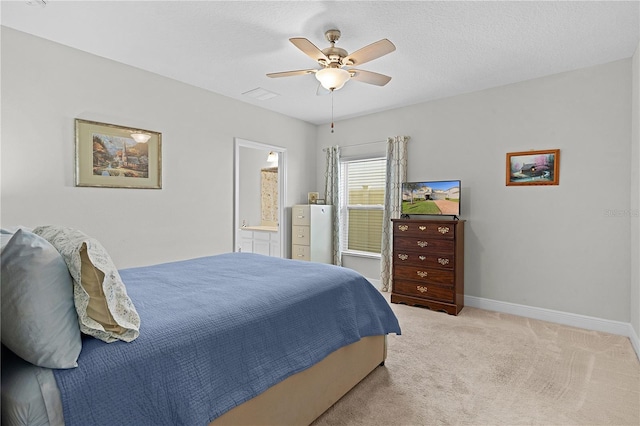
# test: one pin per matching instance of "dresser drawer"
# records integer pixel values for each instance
(424, 229)
(300, 215)
(424, 244)
(412, 288)
(425, 260)
(300, 252)
(426, 275)
(300, 235)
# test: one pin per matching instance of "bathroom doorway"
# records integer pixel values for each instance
(259, 197)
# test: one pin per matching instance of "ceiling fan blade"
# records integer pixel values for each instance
(370, 52)
(290, 73)
(369, 77)
(309, 49)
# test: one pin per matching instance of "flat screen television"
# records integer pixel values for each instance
(435, 197)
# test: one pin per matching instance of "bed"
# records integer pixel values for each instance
(231, 339)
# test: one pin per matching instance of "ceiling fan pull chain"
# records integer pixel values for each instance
(332, 111)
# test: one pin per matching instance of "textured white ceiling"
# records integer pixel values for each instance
(443, 48)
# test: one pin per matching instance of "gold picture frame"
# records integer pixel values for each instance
(312, 197)
(527, 168)
(108, 156)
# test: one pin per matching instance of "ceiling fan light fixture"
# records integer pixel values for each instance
(333, 78)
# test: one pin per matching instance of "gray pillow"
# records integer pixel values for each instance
(7, 233)
(5, 236)
(39, 321)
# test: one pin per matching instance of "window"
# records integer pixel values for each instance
(362, 199)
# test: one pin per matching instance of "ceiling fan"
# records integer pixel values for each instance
(334, 60)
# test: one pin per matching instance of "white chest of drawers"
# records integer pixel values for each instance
(311, 233)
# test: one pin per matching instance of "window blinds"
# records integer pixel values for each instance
(363, 204)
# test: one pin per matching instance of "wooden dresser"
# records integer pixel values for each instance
(428, 264)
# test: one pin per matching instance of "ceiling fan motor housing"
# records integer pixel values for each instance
(335, 54)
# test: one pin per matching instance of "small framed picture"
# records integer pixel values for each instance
(533, 167)
(313, 197)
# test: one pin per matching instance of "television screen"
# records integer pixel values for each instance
(440, 197)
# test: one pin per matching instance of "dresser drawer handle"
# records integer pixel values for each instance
(301, 255)
(443, 261)
(300, 236)
(422, 289)
(403, 256)
(423, 243)
(422, 228)
(422, 274)
(421, 257)
(443, 229)
(403, 227)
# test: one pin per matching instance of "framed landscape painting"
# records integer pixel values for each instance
(113, 156)
(533, 167)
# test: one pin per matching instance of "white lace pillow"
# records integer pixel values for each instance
(103, 306)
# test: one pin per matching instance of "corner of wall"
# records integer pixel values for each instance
(635, 199)
(635, 341)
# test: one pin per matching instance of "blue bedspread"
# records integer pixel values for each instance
(215, 332)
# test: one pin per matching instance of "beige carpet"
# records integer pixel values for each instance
(486, 368)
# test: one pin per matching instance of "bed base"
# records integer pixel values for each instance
(303, 397)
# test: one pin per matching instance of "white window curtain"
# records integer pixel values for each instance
(396, 174)
(332, 196)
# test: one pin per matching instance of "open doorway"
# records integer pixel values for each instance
(259, 197)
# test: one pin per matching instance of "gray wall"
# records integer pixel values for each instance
(45, 86)
(562, 247)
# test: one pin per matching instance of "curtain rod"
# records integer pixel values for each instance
(358, 144)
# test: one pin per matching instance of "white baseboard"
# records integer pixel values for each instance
(558, 317)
